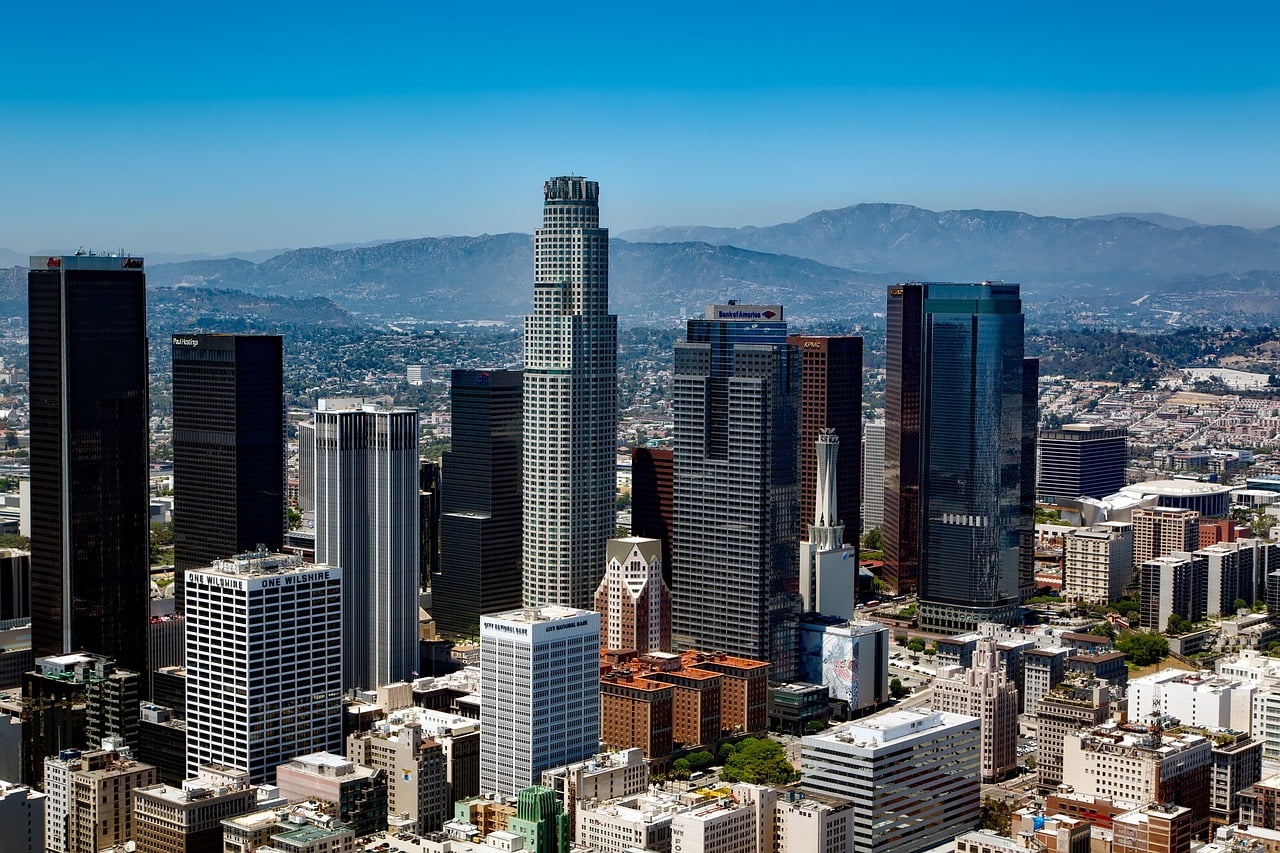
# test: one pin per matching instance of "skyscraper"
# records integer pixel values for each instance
(570, 401)
(872, 475)
(957, 386)
(737, 400)
(228, 448)
(828, 567)
(831, 399)
(264, 662)
(633, 600)
(1082, 459)
(652, 499)
(367, 525)
(539, 694)
(480, 502)
(89, 432)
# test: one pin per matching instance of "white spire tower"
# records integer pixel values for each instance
(828, 569)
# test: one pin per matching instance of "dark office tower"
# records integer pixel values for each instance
(901, 530)
(1082, 460)
(652, 499)
(973, 487)
(89, 491)
(480, 502)
(1030, 434)
(15, 584)
(571, 401)
(228, 448)
(737, 406)
(831, 398)
(429, 507)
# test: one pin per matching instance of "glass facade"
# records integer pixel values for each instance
(228, 448)
(89, 457)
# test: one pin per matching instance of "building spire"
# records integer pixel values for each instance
(826, 532)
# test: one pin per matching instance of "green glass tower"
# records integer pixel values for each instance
(541, 821)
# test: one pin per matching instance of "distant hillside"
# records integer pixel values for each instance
(460, 278)
(957, 245)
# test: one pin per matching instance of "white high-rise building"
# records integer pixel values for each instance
(264, 662)
(828, 567)
(539, 694)
(872, 475)
(369, 526)
(913, 777)
(570, 401)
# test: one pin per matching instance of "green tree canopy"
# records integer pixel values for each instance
(1143, 649)
(759, 761)
(896, 690)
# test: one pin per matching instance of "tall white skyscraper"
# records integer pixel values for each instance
(828, 567)
(570, 401)
(539, 694)
(264, 662)
(368, 525)
(872, 475)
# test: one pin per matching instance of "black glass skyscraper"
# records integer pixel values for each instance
(975, 430)
(228, 448)
(736, 487)
(480, 502)
(90, 540)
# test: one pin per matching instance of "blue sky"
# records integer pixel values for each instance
(195, 127)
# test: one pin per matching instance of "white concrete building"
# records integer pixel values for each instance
(850, 659)
(570, 401)
(828, 567)
(1097, 562)
(813, 824)
(913, 777)
(1195, 699)
(1131, 766)
(639, 822)
(872, 475)
(369, 526)
(22, 816)
(539, 694)
(724, 826)
(603, 777)
(264, 662)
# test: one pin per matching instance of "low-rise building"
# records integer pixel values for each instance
(603, 778)
(22, 818)
(188, 819)
(89, 799)
(359, 793)
(418, 787)
(1157, 826)
(1078, 703)
(985, 691)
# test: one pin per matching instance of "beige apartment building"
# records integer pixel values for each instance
(1097, 562)
(1161, 530)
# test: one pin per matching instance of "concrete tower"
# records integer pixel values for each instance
(570, 401)
(828, 569)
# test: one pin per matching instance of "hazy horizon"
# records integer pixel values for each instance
(180, 131)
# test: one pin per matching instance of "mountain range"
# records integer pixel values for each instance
(830, 264)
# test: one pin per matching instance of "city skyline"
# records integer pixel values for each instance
(1074, 115)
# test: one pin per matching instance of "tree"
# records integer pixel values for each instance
(897, 691)
(1104, 629)
(930, 652)
(996, 815)
(700, 760)
(900, 639)
(814, 726)
(916, 645)
(759, 761)
(1178, 624)
(1125, 607)
(1143, 649)
(1240, 604)
(872, 540)
(723, 753)
(681, 766)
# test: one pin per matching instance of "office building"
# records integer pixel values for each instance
(1097, 562)
(637, 713)
(828, 567)
(830, 401)
(367, 525)
(723, 826)
(606, 777)
(1081, 460)
(872, 475)
(1237, 765)
(985, 691)
(228, 448)
(15, 584)
(736, 586)
(570, 401)
(264, 662)
(912, 776)
(89, 452)
(653, 499)
(298, 828)
(89, 799)
(418, 789)
(959, 430)
(480, 502)
(359, 793)
(1042, 669)
(429, 512)
(1159, 826)
(306, 466)
(162, 743)
(633, 601)
(1076, 703)
(849, 659)
(22, 816)
(1134, 765)
(539, 694)
(540, 820)
(187, 818)
(1174, 584)
(75, 701)
(1199, 699)
(638, 822)
(1159, 530)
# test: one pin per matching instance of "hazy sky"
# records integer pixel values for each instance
(217, 127)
